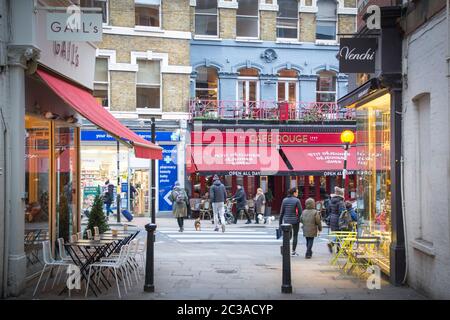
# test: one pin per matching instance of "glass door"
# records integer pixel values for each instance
(247, 96)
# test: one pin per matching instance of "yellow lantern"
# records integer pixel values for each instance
(347, 137)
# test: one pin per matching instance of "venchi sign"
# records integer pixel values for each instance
(357, 55)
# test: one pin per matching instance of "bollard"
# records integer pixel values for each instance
(150, 258)
(286, 286)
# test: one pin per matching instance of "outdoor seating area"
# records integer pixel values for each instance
(354, 253)
(115, 258)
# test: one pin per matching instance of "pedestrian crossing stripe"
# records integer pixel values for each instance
(221, 235)
(213, 232)
(222, 240)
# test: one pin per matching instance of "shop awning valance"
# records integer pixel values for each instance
(234, 160)
(324, 160)
(86, 105)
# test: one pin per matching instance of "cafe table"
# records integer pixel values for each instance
(91, 251)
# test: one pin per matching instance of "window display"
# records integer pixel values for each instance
(374, 184)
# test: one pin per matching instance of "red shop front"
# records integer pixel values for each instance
(275, 161)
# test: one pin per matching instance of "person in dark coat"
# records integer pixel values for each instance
(336, 207)
(218, 196)
(108, 198)
(241, 203)
(290, 212)
(260, 204)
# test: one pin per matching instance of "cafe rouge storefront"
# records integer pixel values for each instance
(272, 160)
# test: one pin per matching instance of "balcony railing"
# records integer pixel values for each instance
(268, 110)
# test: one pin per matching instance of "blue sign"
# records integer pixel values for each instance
(168, 175)
(99, 135)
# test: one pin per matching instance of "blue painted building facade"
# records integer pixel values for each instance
(305, 61)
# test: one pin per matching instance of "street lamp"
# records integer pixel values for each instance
(347, 138)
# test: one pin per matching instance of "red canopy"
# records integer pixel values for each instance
(329, 159)
(236, 160)
(85, 104)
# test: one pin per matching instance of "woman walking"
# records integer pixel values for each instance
(179, 200)
(291, 209)
(312, 224)
(260, 204)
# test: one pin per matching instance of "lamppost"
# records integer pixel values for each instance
(347, 138)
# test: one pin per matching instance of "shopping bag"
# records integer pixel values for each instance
(279, 233)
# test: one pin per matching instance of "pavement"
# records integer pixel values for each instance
(242, 263)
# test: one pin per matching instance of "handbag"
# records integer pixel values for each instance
(279, 233)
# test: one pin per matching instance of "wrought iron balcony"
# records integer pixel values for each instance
(267, 110)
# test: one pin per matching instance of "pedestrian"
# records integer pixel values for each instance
(241, 203)
(179, 204)
(218, 196)
(335, 208)
(311, 225)
(133, 193)
(290, 212)
(260, 204)
(108, 198)
(189, 211)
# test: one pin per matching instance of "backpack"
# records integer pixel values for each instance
(344, 221)
(180, 197)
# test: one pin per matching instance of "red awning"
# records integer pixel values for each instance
(85, 104)
(310, 160)
(236, 160)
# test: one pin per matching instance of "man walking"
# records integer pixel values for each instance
(108, 198)
(241, 203)
(218, 196)
(179, 209)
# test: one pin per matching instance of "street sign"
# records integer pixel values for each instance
(168, 175)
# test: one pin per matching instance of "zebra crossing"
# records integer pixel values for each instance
(231, 235)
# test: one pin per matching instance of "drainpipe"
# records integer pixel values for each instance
(6, 212)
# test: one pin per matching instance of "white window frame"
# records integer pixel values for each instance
(148, 28)
(335, 40)
(286, 88)
(247, 87)
(107, 11)
(298, 28)
(207, 89)
(206, 36)
(258, 28)
(336, 86)
(150, 110)
(110, 55)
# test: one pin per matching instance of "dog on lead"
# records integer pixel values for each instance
(197, 224)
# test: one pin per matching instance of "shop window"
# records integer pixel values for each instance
(37, 190)
(148, 84)
(247, 19)
(206, 18)
(147, 15)
(101, 83)
(103, 4)
(287, 19)
(66, 179)
(326, 87)
(206, 85)
(374, 184)
(326, 20)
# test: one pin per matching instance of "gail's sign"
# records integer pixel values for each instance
(357, 55)
(74, 26)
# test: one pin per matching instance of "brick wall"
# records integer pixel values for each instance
(123, 91)
(121, 13)
(346, 24)
(307, 27)
(176, 15)
(175, 92)
(268, 25)
(427, 74)
(227, 23)
(178, 50)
